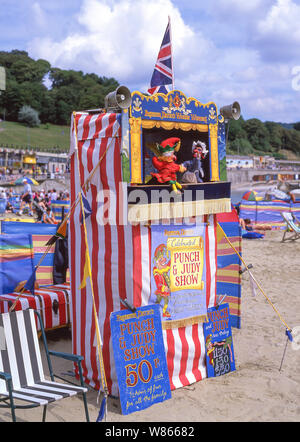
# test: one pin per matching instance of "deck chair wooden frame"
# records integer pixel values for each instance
(292, 231)
(22, 376)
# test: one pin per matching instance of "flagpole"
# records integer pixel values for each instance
(171, 46)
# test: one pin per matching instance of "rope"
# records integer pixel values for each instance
(257, 283)
(12, 307)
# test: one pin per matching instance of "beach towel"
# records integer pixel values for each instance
(252, 235)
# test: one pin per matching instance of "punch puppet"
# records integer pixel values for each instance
(165, 163)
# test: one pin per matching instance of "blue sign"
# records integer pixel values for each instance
(140, 358)
(218, 342)
(174, 106)
(178, 273)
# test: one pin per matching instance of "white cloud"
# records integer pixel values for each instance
(283, 18)
(278, 33)
(121, 39)
(38, 15)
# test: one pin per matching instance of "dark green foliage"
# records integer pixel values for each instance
(70, 90)
(246, 137)
(297, 126)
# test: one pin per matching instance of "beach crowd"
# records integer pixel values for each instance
(36, 202)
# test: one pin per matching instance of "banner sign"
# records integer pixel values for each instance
(140, 358)
(218, 342)
(173, 107)
(178, 273)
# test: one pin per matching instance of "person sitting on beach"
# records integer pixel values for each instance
(247, 225)
(66, 196)
(39, 209)
(9, 207)
(48, 217)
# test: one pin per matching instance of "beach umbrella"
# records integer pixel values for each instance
(251, 195)
(29, 180)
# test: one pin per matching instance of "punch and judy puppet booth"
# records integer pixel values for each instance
(151, 180)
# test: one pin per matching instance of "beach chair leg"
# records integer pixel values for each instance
(86, 407)
(44, 413)
(12, 406)
(11, 400)
(83, 394)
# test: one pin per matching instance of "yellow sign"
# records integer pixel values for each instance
(187, 259)
(29, 160)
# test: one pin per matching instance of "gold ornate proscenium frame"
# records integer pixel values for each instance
(160, 118)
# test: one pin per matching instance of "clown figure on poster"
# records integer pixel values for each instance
(161, 276)
(178, 280)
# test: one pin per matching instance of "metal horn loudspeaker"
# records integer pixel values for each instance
(118, 99)
(231, 111)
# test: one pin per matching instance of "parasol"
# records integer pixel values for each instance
(252, 195)
(31, 181)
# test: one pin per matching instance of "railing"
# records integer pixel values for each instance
(10, 179)
(27, 149)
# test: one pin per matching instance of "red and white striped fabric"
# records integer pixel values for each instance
(51, 302)
(54, 307)
(120, 259)
(25, 302)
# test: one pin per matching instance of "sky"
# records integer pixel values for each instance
(223, 50)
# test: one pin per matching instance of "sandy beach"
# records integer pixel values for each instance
(257, 391)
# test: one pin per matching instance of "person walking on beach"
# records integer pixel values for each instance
(26, 197)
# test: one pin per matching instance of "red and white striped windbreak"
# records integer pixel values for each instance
(120, 259)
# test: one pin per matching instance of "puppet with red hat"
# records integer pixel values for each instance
(165, 163)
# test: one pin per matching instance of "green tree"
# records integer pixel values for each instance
(29, 116)
(297, 126)
(257, 134)
(277, 133)
(241, 146)
(236, 130)
(292, 140)
(70, 90)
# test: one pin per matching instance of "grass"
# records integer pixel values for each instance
(45, 137)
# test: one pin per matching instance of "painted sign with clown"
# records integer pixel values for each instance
(178, 273)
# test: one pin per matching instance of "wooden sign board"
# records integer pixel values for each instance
(218, 342)
(140, 358)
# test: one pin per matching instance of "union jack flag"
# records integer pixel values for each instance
(162, 78)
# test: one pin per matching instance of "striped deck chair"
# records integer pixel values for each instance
(22, 380)
(292, 230)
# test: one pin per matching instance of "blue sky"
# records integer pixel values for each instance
(223, 50)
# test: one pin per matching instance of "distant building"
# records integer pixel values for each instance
(52, 162)
(39, 162)
(239, 162)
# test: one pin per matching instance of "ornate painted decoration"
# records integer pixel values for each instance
(171, 111)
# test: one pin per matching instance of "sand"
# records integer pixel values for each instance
(257, 391)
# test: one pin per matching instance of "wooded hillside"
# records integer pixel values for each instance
(69, 90)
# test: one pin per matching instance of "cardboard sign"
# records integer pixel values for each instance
(218, 342)
(140, 358)
(178, 273)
